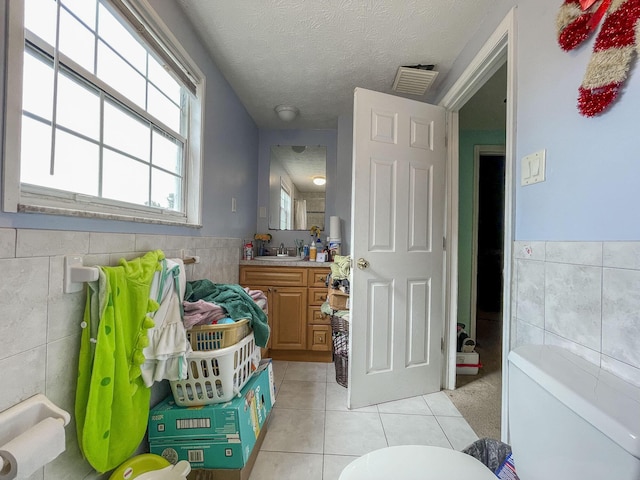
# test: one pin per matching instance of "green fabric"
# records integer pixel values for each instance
(235, 301)
(112, 403)
(341, 267)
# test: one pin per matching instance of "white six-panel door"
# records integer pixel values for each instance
(397, 238)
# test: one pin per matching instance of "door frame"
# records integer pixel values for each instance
(498, 49)
(478, 151)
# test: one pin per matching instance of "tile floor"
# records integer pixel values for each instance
(313, 436)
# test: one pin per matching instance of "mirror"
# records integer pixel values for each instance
(297, 178)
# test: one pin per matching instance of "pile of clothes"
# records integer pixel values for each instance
(134, 333)
(206, 303)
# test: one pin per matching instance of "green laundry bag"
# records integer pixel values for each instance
(112, 403)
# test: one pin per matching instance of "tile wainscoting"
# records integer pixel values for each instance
(584, 296)
(40, 325)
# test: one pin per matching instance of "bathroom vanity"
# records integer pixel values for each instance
(295, 292)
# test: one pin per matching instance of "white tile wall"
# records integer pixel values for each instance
(39, 324)
(584, 296)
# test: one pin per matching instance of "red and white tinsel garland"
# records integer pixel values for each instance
(613, 49)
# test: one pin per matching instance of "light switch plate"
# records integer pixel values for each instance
(533, 168)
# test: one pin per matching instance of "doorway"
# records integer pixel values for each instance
(481, 205)
(487, 258)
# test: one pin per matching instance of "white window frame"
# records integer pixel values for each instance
(36, 200)
(288, 212)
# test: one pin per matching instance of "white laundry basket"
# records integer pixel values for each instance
(216, 376)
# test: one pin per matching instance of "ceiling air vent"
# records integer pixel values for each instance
(414, 80)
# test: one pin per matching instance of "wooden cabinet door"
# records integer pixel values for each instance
(288, 306)
(319, 338)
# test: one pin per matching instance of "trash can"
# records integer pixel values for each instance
(495, 455)
(340, 336)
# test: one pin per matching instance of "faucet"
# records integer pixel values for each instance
(282, 250)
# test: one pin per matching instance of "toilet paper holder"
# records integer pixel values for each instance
(21, 417)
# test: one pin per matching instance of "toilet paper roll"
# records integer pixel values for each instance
(32, 449)
(334, 227)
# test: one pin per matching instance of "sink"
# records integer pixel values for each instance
(277, 258)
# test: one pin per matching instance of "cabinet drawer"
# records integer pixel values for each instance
(285, 277)
(317, 277)
(316, 316)
(319, 338)
(317, 296)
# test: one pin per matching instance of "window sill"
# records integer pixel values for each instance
(25, 208)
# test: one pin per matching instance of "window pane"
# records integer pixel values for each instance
(119, 38)
(166, 190)
(40, 18)
(76, 165)
(35, 156)
(163, 80)
(114, 71)
(78, 107)
(124, 179)
(37, 90)
(167, 153)
(76, 41)
(85, 10)
(125, 132)
(165, 110)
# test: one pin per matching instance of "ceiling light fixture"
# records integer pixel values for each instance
(287, 112)
(319, 180)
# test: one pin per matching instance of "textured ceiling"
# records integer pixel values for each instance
(302, 163)
(313, 53)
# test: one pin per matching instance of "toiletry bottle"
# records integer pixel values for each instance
(312, 252)
(248, 251)
(305, 252)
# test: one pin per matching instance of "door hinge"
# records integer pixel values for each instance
(442, 344)
(444, 243)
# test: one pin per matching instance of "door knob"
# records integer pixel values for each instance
(362, 263)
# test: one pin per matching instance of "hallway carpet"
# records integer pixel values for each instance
(478, 397)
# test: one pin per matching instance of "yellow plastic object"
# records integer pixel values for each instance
(136, 466)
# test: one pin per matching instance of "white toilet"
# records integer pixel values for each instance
(568, 419)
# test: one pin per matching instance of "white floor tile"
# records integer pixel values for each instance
(287, 466)
(337, 400)
(306, 372)
(331, 373)
(279, 369)
(409, 406)
(302, 395)
(458, 431)
(333, 466)
(312, 434)
(413, 430)
(353, 433)
(300, 431)
(440, 404)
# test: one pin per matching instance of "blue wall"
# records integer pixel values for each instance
(591, 190)
(230, 154)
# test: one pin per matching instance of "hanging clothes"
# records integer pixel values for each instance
(112, 402)
(166, 354)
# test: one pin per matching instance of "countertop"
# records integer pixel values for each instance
(285, 263)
